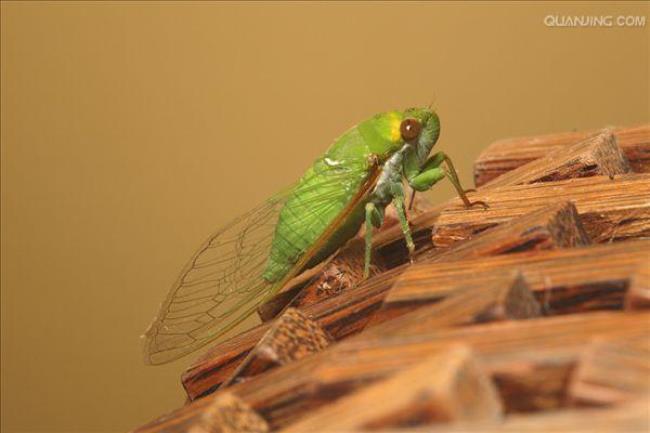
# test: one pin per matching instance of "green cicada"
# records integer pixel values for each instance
(252, 258)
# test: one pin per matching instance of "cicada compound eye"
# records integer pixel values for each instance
(410, 129)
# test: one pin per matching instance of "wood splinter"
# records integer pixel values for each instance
(292, 336)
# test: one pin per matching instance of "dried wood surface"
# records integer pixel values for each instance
(596, 155)
(610, 210)
(638, 294)
(286, 393)
(449, 386)
(504, 297)
(291, 337)
(513, 318)
(505, 155)
(567, 280)
(612, 371)
(555, 226)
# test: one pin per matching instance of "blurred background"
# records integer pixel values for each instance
(130, 131)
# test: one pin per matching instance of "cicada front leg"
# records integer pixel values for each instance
(433, 171)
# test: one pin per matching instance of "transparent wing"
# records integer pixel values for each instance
(222, 283)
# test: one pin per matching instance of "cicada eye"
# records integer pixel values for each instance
(410, 129)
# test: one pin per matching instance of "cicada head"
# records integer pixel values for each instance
(386, 133)
(420, 127)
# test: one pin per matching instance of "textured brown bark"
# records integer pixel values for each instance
(291, 337)
(597, 155)
(555, 226)
(564, 281)
(505, 155)
(285, 394)
(610, 210)
(536, 384)
(502, 298)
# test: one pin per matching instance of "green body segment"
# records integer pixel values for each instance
(326, 189)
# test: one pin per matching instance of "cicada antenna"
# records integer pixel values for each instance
(433, 100)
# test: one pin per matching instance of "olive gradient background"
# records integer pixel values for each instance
(130, 131)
